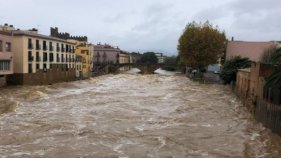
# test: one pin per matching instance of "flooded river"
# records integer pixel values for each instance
(130, 116)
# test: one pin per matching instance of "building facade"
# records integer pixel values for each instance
(124, 57)
(6, 56)
(41, 59)
(85, 51)
(104, 54)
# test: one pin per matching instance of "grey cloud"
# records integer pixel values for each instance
(154, 25)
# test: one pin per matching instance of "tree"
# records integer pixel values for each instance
(149, 58)
(271, 56)
(231, 66)
(201, 45)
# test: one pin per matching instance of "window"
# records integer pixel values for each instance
(51, 57)
(38, 46)
(62, 59)
(58, 58)
(51, 46)
(44, 45)
(8, 47)
(30, 45)
(4, 65)
(30, 57)
(1, 46)
(66, 48)
(58, 47)
(45, 57)
(37, 66)
(29, 68)
(37, 56)
(62, 48)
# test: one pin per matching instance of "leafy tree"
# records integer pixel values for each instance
(231, 66)
(272, 56)
(149, 58)
(201, 45)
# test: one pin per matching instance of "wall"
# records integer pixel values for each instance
(2, 81)
(57, 74)
(249, 88)
(269, 115)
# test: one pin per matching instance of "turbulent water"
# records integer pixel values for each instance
(130, 116)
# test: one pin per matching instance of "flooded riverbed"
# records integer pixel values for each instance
(130, 116)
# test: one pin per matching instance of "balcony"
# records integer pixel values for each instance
(58, 49)
(51, 48)
(45, 48)
(62, 49)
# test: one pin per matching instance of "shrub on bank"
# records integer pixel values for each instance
(169, 68)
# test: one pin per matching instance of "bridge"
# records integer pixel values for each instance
(144, 68)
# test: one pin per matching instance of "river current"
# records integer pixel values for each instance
(125, 115)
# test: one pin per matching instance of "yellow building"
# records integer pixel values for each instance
(85, 51)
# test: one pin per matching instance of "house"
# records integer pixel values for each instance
(252, 50)
(6, 56)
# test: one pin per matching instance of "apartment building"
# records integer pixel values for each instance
(41, 59)
(6, 56)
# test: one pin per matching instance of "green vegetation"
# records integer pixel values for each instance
(272, 56)
(149, 58)
(231, 66)
(169, 68)
(273, 82)
(201, 45)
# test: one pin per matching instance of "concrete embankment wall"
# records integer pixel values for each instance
(269, 115)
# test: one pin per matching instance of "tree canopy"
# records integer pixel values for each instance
(201, 45)
(231, 66)
(149, 58)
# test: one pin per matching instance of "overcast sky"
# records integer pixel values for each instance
(145, 25)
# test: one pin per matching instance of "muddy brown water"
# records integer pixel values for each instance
(130, 116)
